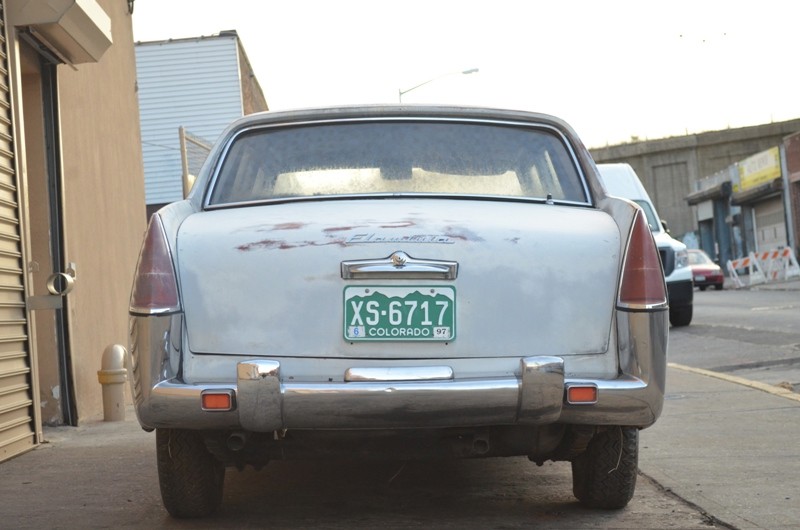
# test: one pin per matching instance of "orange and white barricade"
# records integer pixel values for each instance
(779, 264)
(750, 263)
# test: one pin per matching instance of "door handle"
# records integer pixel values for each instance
(60, 283)
(399, 265)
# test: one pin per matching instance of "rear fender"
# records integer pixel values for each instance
(154, 354)
(172, 216)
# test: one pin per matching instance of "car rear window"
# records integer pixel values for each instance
(402, 157)
(699, 258)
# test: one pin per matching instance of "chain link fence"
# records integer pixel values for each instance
(194, 151)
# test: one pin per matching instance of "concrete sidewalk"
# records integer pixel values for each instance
(727, 446)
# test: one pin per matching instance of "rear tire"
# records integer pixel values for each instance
(680, 316)
(718, 287)
(702, 287)
(604, 476)
(190, 477)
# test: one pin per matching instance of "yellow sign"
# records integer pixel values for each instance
(760, 169)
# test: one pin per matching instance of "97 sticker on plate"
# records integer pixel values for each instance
(408, 313)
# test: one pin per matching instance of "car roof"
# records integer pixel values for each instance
(400, 111)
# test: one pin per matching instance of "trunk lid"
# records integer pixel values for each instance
(533, 279)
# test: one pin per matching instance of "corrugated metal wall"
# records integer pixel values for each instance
(192, 83)
(16, 401)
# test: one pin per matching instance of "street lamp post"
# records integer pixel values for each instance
(401, 92)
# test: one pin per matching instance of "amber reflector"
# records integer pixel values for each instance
(217, 401)
(582, 394)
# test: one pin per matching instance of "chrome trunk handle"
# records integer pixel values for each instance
(399, 265)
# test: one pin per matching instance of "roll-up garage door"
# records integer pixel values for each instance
(16, 402)
(770, 221)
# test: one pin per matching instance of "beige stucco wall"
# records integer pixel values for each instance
(104, 205)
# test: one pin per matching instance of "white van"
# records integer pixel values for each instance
(621, 180)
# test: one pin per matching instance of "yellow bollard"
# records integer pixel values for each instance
(113, 376)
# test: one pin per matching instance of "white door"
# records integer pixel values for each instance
(770, 224)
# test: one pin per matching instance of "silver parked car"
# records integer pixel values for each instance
(404, 281)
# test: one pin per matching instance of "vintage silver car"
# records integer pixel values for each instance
(402, 281)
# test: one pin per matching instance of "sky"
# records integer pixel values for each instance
(615, 70)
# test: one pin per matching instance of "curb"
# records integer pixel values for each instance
(791, 284)
(764, 387)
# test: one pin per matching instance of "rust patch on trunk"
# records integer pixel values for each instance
(462, 234)
(264, 244)
(269, 244)
(289, 226)
(341, 228)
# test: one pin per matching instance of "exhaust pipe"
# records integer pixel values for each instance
(237, 441)
(480, 446)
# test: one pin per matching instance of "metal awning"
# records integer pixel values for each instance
(773, 187)
(76, 31)
(720, 191)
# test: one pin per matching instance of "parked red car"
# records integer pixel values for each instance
(704, 271)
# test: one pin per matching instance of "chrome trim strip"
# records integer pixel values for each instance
(396, 195)
(141, 311)
(399, 373)
(643, 307)
(399, 265)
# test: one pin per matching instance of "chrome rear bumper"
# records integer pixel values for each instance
(413, 397)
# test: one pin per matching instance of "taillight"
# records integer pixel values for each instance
(155, 288)
(642, 285)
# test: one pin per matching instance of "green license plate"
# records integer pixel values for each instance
(379, 312)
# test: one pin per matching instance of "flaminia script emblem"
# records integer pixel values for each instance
(408, 313)
(385, 238)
